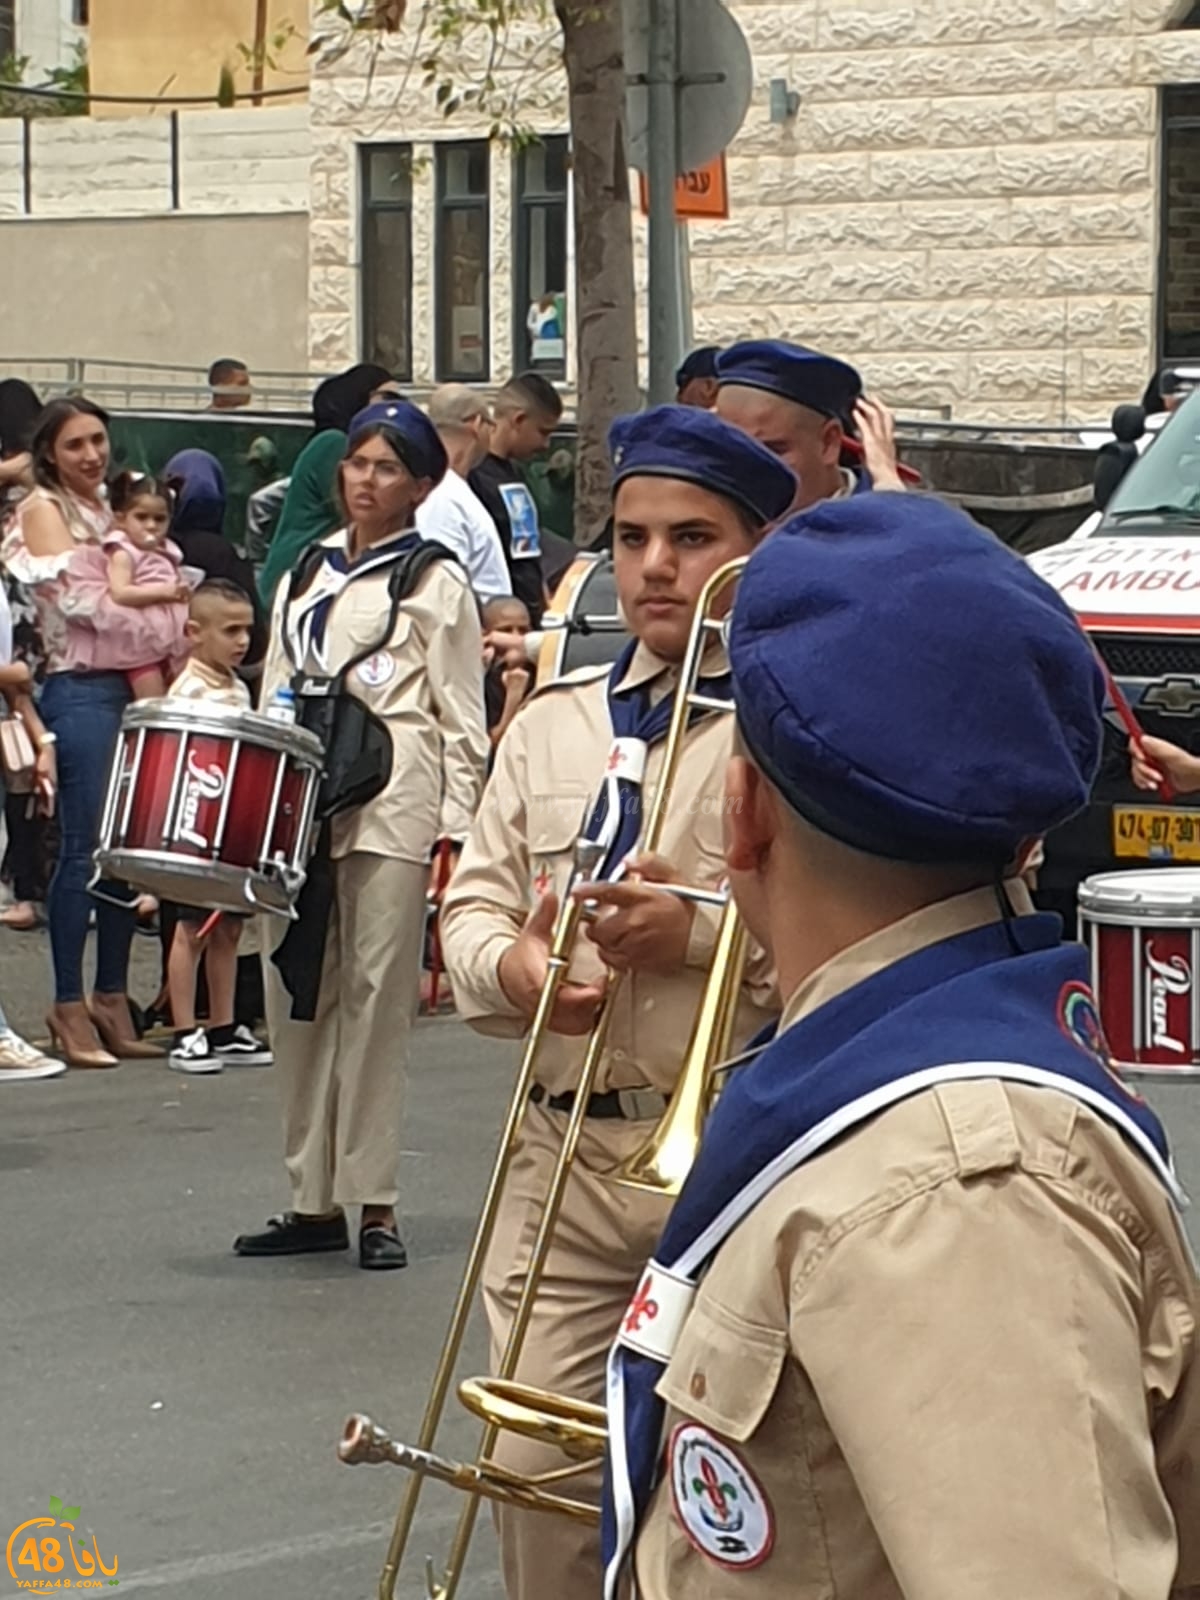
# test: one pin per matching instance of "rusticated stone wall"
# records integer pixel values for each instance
(967, 203)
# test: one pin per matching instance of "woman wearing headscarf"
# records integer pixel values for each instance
(198, 528)
(310, 511)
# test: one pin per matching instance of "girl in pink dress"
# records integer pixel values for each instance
(131, 592)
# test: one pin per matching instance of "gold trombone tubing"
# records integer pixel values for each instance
(484, 1478)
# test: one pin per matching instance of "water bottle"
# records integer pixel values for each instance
(283, 705)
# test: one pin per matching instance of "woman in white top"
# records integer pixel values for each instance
(82, 712)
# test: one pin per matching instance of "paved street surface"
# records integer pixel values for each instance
(190, 1402)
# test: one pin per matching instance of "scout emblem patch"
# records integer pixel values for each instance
(377, 670)
(720, 1504)
(1079, 1019)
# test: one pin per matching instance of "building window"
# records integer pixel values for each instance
(8, 29)
(80, 13)
(540, 312)
(1179, 285)
(387, 257)
(463, 261)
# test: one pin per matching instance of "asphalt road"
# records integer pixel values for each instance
(190, 1402)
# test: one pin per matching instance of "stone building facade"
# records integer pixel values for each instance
(969, 202)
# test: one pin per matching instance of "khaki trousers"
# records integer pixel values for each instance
(343, 1075)
(605, 1236)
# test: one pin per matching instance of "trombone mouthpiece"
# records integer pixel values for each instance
(363, 1442)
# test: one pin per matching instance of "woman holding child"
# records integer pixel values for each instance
(56, 550)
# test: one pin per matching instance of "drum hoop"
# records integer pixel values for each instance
(224, 722)
(1131, 917)
(188, 867)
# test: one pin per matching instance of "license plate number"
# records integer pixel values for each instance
(1146, 833)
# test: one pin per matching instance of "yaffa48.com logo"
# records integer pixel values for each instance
(41, 1560)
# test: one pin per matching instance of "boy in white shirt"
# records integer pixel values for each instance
(220, 623)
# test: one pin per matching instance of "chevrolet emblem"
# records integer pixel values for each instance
(1174, 697)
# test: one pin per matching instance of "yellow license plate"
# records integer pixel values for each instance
(1147, 833)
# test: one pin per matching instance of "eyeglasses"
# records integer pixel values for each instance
(385, 472)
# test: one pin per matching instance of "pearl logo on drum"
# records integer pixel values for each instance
(1164, 979)
(200, 784)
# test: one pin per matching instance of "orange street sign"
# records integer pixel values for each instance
(703, 193)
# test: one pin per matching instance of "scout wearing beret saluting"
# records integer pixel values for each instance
(802, 405)
(691, 493)
(927, 1317)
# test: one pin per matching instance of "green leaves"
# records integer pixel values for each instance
(67, 1513)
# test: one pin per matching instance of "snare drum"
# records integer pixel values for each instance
(1143, 931)
(210, 806)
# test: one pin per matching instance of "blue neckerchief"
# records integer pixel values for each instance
(1005, 1001)
(336, 559)
(637, 725)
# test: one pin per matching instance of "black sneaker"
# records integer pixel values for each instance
(237, 1047)
(293, 1235)
(193, 1053)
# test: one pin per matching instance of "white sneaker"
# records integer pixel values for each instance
(194, 1054)
(20, 1062)
(243, 1050)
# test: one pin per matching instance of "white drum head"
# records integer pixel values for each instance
(1162, 895)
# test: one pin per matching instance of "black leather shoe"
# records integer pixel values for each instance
(294, 1235)
(381, 1249)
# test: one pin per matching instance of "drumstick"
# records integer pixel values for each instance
(207, 926)
(1131, 724)
(435, 939)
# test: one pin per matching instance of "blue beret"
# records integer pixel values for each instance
(695, 446)
(792, 371)
(414, 437)
(909, 685)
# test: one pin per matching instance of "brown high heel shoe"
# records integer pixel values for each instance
(114, 1024)
(74, 1038)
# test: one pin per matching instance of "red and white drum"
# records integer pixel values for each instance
(210, 806)
(1143, 931)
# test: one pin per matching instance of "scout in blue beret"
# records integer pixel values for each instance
(690, 494)
(408, 433)
(803, 405)
(908, 1270)
(376, 634)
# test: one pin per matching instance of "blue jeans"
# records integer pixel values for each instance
(84, 711)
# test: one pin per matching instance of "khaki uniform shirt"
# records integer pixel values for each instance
(426, 683)
(549, 767)
(957, 1351)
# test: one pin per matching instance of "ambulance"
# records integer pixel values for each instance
(1132, 575)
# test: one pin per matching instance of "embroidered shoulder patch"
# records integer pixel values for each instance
(1079, 1019)
(720, 1504)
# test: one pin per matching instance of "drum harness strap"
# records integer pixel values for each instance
(357, 764)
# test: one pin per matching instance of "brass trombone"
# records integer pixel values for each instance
(577, 1428)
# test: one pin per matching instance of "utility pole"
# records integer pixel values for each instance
(662, 168)
(260, 49)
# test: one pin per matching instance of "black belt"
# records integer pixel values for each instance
(626, 1105)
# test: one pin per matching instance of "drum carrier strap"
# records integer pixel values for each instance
(357, 766)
